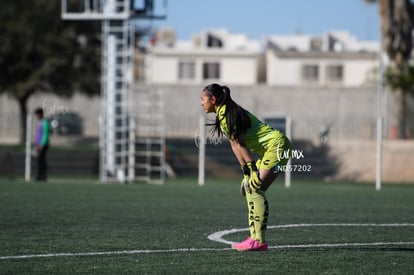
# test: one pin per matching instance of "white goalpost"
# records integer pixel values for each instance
(202, 149)
(288, 174)
(28, 153)
(380, 115)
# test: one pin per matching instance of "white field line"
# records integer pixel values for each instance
(126, 252)
(218, 237)
(121, 252)
(332, 245)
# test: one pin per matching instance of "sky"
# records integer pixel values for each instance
(260, 18)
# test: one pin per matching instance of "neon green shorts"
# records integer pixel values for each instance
(277, 155)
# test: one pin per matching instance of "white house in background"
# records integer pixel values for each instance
(212, 55)
(335, 58)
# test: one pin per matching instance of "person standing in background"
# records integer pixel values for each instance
(42, 144)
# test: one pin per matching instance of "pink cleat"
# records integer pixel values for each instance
(250, 245)
(259, 246)
(245, 243)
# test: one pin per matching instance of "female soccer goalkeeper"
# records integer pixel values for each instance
(247, 133)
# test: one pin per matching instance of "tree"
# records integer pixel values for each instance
(39, 52)
(397, 24)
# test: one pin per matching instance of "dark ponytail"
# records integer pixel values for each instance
(237, 119)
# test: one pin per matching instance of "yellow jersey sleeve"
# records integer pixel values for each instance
(221, 114)
(257, 137)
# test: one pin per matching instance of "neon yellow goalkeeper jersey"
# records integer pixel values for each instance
(257, 137)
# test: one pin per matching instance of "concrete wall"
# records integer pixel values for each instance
(87, 107)
(351, 112)
(359, 72)
(357, 160)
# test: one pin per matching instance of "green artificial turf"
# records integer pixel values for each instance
(81, 216)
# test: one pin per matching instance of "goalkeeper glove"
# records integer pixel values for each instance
(245, 181)
(254, 181)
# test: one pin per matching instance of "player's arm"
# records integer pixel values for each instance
(245, 159)
(240, 151)
(243, 156)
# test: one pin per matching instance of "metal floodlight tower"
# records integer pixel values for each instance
(117, 146)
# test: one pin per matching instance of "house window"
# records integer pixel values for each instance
(211, 70)
(335, 73)
(186, 70)
(310, 73)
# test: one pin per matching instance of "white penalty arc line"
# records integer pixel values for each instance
(218, 237)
